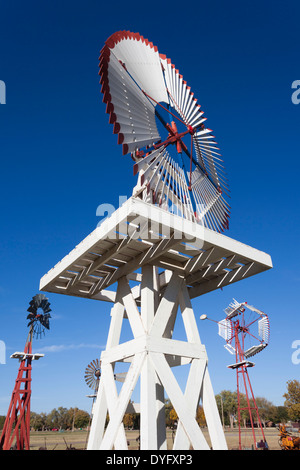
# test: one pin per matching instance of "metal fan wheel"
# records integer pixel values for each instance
(143, 92)
(93, 373)
(241, 320)
(39, 321)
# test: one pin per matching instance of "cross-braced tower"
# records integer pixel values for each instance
(165, 240)
(16, 429)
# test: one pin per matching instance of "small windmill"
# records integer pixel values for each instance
(243, 342)
(93, 373)
(16, 429)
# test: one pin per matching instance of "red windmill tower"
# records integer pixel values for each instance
(16, 429)
(238, 331)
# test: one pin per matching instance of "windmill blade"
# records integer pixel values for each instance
(44, 319)
(120, 377)
(254, 350)
(124, 61)
(264, 329)
(225, 329)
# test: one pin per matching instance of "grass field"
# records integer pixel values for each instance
(53, 440)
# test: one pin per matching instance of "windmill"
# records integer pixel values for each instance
(16, 429)
(158, 251)
(92, 375)
(160, 124)
(246, 331)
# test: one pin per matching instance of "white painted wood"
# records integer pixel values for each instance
(148, 416)
(120, 441)
(187, 257)
(132, 311)
(100, 406)
(212, 415)
(177, 398)
(191, 395)
(155, 343)
(122, 402)
(166, 305)
(61, 280)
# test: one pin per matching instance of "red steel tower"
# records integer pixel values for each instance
(16, 429)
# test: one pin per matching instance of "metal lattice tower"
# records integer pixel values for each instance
(243, 342)
(16, 429)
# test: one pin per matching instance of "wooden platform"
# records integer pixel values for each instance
(137, 234)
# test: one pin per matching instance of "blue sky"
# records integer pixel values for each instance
(60, 160)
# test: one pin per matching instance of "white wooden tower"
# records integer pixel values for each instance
(166, 240)
(169, 271)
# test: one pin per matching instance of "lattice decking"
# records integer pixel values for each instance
(138, 234)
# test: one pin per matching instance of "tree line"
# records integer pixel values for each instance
(58, 419)
(74, 418)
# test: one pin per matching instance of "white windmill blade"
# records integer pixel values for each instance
(212, 209)
(142, 61)
(225, 329)
(131, 112)
(254, 350)
(182, 99)
(230, 348)
(255, 309)
(120, 377)
(166, 181)
(264, 329)
(233, 309)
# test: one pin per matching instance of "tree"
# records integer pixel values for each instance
(2, 421)
(279, 415)
(265, 409)
(38, 421)
(200, 417)
(227, 406)
(292, 401)
(82, 419)
(128, 420)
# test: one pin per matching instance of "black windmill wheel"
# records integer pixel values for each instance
(39, 315)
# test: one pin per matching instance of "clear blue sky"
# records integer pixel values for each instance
(60, 160)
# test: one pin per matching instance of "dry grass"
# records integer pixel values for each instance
(54, 440)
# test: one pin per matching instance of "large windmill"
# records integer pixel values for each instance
(158, 251)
